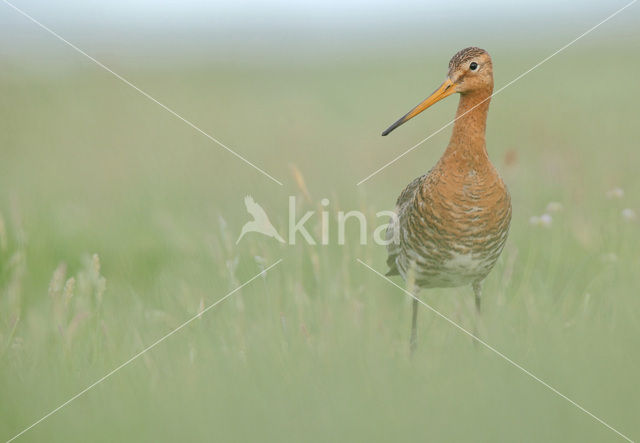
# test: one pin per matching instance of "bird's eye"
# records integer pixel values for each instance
(473, 66)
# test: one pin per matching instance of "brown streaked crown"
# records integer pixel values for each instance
(463, 56)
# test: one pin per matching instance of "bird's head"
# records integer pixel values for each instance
(470, 70)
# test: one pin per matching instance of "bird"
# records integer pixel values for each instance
(260, 222)
(452, 222)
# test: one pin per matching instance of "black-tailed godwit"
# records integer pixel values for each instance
(454, 220)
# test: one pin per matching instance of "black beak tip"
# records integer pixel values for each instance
(394, 126)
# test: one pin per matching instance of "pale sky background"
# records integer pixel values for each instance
(183, 27)
(268, 12)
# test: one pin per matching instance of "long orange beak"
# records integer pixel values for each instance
(445, 90)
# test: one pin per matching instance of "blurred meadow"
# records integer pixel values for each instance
(118, 222)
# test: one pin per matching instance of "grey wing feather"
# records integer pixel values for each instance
(404, 200)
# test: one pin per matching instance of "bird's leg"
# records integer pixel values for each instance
(413, 290)
(413, 341)
(477, 292)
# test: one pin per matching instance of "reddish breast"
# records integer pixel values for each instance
(453, 221)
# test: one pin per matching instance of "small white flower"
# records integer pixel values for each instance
(615, 193)
(545, 220)
(554, 207)
(260, 261)
(629, 214)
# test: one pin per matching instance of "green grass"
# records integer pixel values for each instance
(317, 350)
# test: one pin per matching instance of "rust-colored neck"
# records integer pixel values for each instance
(467, 138)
